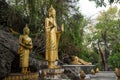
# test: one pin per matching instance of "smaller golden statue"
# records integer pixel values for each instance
(97, 70)
(77, 60)
(82, 75)
(117, 72)
(25, 43)
(92, 72)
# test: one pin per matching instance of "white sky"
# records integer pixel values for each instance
(88, 8)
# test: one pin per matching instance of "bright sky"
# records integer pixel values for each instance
(89, 9)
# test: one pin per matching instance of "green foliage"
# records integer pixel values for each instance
(107, 33)
(90, 56)
(109, 22)
(76, 29)
(72, 37)
(105, 2)
(11, 16)
(40, 57)
(34, 13)
(114, 60)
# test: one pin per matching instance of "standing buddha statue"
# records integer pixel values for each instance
(52, 38)
(25, 43)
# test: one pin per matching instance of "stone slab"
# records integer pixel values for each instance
(77, 65)
(77, 68)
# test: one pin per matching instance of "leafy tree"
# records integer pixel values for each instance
(104, 2)
(106, 38)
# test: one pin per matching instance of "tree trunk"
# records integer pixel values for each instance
(106, 50)
(102, 55)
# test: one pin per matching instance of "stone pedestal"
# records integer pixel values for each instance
(51, 73)
(19, 76)
(73, 71)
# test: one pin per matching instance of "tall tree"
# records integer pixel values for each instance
(107, 35)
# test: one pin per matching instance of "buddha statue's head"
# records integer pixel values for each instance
(52, 12)
(74, 58)
(26, 30)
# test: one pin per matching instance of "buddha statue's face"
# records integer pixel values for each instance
(75, 58)
(52, 12)
(26, 30)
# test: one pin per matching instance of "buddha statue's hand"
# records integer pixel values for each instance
(62, 27)
(28, 47)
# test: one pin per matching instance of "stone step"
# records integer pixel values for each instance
(104, 75)
(19, 76)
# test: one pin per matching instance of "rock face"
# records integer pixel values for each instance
(8, 48)
(9, 59)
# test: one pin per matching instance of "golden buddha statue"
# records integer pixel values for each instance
(25, 43)
(82, 75)
(97, 70)
(52, 38)
(117, 72)
(92, 72)
(77, 60)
